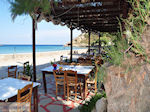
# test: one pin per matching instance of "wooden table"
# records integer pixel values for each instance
(82, 71)
(9, 90)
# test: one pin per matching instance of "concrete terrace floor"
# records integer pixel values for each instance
(49, 103)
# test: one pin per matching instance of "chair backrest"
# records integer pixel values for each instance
(71, 76)
(12, 71)
(24, 95)
(59, 76)
(81, 60)
(97, 57)
(25, 66)
(61, 58)
(88, 60)
(73, 63)
(24, 77)
(64, 63)
(97, 64)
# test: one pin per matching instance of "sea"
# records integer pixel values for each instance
(13, 49)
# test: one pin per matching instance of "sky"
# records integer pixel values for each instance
(20, 30)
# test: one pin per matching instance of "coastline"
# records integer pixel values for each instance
(42, 52)
(26, 49)
(23, 57)
(43, 59)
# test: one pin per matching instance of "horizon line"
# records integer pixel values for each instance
(30, 44)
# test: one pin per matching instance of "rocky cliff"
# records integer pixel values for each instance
(82, 40)
(129, 91)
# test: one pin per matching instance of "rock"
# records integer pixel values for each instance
(80, 41)
(101, 105)
(129, 91)
(94, 110)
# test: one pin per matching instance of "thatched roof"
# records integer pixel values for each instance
(87, 15)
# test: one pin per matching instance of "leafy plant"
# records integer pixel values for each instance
(88, 106)
(136, 24)
(129, 40)
(101, 75)
(29, 7)
(28, 71)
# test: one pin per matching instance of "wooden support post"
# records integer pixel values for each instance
(99, 43)
(34, 54)
(89, 42)
(35, 99)
(71, 48)
(124, 12)
(125, 9)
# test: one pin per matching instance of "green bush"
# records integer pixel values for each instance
(29, 71)
(88, 106)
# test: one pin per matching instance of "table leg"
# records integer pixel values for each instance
(35, 92)
(44, 81)
(85, 87)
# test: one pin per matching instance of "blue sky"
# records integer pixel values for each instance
(20, 31)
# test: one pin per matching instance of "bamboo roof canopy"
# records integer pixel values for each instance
(87, 15)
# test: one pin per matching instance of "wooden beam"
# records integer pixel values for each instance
(112, 15)
(94, 23)
(89, 42)
(83, 8)
(87, 12)
(34, 54)
(68, 2)
(99, 43)
(99, 27)
(125, 9)
(102, 29)
(109, 21)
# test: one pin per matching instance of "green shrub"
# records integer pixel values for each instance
(88, 106)
(29, 71)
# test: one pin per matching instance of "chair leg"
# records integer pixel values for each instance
(86, 89)
(56, 91)
(75, 92)
(64, 91)
(81, 91)
(95, 88)
(67, 93)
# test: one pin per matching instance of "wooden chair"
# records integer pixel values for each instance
(72, 81)
(12, 71)
(25, 66)
(24, 96)
(88, 61)
(81, 60)
(22, 74)
(59, 80)
(93, 83)
(24, 77)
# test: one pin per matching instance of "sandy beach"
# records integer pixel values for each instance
(43, 59)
